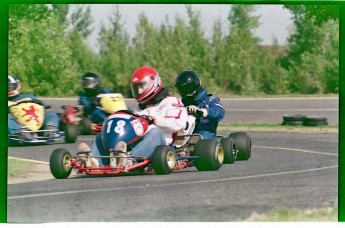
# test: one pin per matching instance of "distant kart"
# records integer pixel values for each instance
(189, 150)
(30, 113)
(74, 115)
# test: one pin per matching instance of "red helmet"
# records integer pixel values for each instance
(145, 84)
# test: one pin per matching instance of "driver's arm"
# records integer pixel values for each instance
(215, 110)
(174, 117)
(10, 103)
(87, 105)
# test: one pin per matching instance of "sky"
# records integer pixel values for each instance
(275, 21)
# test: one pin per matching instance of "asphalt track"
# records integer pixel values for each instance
(254, 110)
(286, 170)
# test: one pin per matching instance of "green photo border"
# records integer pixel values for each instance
(341, 135)
(3, 89)
(4, 71)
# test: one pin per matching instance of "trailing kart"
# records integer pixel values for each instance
(30, 114)
(125, 126)
(74, 115)
(70, 118)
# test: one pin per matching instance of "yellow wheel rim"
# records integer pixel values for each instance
(66, 162)
(220, 154)
(171, 160)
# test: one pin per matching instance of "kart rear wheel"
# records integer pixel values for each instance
(59, 163)
(85, 126)
(230, 151)
(62, 126)
(210, 153)
(243, 144)
(163, 159)
(71, 133)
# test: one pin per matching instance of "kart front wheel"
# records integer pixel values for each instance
(210, 154)
(59, 163)
(71, 133)
(163, 159)
(230, 150)
(85, 126)
(243, 144)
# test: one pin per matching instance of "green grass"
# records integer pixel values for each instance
(278, 128)
(329, 214)
(16, 168)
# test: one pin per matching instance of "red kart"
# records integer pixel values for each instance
(74, 115)
(188, 150)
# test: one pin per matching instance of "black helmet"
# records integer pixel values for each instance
(91, 83)
(188, 83)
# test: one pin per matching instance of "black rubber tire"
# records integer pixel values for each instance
(293, 117)
(59, 163)
(314, 119)
(62, 126)
(243, 144)
(210, 153)
(71, 133)
(292, 123)
(315, 124)
(230, 151)
(85, 126)
(163, 160)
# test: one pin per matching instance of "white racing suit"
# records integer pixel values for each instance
(169, 115)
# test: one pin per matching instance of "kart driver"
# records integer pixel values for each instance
(205, 107)
(165, 114)
(91, 83)
(51, 119)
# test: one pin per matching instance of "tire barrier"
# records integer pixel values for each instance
(293, 120)
(315, 121)
(302, 120)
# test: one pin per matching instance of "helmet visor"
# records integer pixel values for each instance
(89, 83)
(138, 89)
(186, 89)
(12, 87)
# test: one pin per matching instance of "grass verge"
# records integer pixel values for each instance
(16, 168)
(329, 214)
(278, 128)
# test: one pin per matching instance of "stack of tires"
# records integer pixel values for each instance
(315, 121)
(299, 120)
(293, 120)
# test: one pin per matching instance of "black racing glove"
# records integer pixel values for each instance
(197, 112)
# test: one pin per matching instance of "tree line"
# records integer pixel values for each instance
(47, 50)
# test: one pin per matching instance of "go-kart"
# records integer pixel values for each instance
(70, 117)
(30, 114)
(74, 115)
(187, 151)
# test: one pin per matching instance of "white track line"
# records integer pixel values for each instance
(29, 160)
(172, 184)
(296, 150)
(188, 182)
